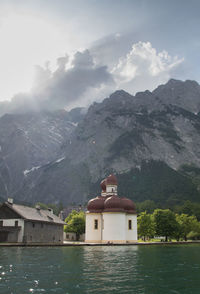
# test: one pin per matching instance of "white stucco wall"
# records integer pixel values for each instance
(131, 235)
(11, 223)
(91, 234)
(114, 227)
(111, 189)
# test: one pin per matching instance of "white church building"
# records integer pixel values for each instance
(110, 218)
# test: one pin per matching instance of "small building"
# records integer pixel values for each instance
(23, 224)
(110, 218)
(72, 237)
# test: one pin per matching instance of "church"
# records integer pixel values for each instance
(110, 218)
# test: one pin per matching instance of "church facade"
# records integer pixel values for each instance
(110, 218)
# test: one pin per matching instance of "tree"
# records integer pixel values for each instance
(75, 223)
(145, 225)
(147, 205)
(186, 224)
(187, 207)
(165, 223)
(195, 233)
(196, 210)
(71, 215)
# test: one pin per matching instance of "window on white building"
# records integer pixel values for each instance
(130, 224)
(96, 224)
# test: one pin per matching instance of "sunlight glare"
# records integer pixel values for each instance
(25, 42)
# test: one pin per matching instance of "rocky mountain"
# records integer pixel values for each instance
(179, 93)
(150, 136)
(29, 141)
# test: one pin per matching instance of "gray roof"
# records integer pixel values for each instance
(35, 214)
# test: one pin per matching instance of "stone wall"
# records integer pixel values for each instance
(40, 232)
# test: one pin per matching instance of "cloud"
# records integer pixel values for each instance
(144, 68)
(82, 79)
(66, 86)
(63, 87)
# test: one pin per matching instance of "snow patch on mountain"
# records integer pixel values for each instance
(27, 171)
(60, 159)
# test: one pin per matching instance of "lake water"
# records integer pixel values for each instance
(98, 270)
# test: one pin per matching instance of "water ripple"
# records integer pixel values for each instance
(100, 270)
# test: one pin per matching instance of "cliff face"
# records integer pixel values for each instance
(121, 134)
(29, 141)
(183, 94)
(124, 134)
(123, 131)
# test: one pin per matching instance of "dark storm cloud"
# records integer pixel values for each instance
(63, 87)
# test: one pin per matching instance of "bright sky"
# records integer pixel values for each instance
(142, 43)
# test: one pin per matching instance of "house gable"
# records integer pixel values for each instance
(7, 213)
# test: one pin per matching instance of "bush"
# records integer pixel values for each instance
(193, 235)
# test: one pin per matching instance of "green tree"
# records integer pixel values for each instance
(75, 223)
(196, 210)
(187, 207)
(186, 224)
(147, 205)
(195, 233)
(71, 215)
(145, 225)
(165, 223)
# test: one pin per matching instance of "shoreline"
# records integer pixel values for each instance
(66, 244)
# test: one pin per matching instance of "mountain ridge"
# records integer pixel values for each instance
(118, 135)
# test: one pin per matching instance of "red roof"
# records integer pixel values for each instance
(111, 180)
(96, 204)
(112, 203)
(103, 185)
(128, 205)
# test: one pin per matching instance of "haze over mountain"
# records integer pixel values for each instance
(151, 140)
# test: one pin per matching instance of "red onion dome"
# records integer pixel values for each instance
(96, 204)
(129, 205)
(113, 204)
(111, 180)
(103, 185)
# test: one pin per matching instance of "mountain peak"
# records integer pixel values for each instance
(177, 83)
(185, 94)
(120, 93)
(174, 82)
